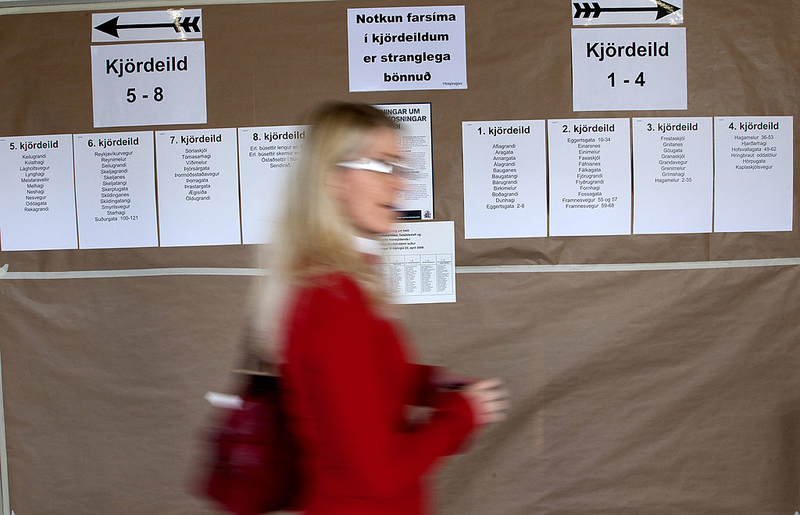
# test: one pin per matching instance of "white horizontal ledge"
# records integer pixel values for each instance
(144, 272)
(499, 269)
(628, 267)
(52, 6)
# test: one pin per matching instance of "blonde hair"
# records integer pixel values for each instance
(314, 236)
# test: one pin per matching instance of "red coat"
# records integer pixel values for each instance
(347, 384)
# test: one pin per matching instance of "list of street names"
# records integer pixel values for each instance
(673, 172)
(590, 177)
(753, 180)
(198, 187)
(37, 202)
(115, 190)
(505, 177)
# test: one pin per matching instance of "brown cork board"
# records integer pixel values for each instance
(634, 392)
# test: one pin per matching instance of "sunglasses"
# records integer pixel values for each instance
(374, 165)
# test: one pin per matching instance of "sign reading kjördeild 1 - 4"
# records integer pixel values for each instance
(627, 69)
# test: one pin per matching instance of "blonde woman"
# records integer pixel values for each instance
(346, 372)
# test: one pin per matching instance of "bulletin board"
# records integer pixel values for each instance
(648, 373)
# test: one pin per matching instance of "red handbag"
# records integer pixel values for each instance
(254, 463)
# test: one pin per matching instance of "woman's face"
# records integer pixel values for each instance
(368, 197)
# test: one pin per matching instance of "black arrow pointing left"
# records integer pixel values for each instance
(112, 26)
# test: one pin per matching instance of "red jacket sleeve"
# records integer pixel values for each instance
(423, 390)
(352, 401)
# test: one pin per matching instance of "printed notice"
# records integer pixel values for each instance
(419, 262)
(673, 175)
(198, 187)
(402, 48)
(37, 200)
(627, 69)
(115, 190)
(505, 179)
(267, 156)
(754, 171)
(590, 177)
(149, 84)
(415, 125)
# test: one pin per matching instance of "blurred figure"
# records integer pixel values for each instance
(324, 312)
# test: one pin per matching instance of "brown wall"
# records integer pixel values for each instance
(668, 392)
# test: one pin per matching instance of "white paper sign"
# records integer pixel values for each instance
(628, 69)
(754, 173)
(590, 177)
(37, 199)
(415, 123)
(115, 190)
(198, 187)
(673, 175)
(149, 84)
(505, 179)
(147, 25)
(419, 262)
(401, 48)
(627, 12)
(267, 156)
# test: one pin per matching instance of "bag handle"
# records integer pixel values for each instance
(253, 361)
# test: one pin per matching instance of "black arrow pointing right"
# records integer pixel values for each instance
(593, 10)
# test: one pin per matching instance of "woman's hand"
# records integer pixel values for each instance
(488, 399)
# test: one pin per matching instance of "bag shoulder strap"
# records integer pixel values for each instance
(253, 361)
